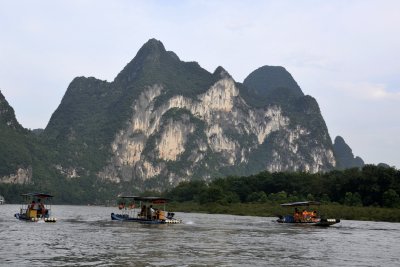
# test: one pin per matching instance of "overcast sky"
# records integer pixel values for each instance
(346, 54)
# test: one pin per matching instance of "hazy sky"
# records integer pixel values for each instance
(346, 54)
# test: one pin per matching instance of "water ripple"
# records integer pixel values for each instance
(85, 236)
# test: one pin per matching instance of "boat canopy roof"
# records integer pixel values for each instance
(38, 195)
(301, 203)
(149, 199)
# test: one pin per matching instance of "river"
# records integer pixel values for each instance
(86, 236)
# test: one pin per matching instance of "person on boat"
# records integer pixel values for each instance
(314, 216)
(30, 210)
(154, 213)
(32, 205)
(305, 215)
(297, 216)
(41, 207)
(158, 214)
(150, 212)
(143, 211)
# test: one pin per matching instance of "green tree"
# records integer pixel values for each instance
(351, 199)
(257, 197)
(212, 194)
(391, 199)
(278, 197)
(310, 197)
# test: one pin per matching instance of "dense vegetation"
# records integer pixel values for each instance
(370, 186)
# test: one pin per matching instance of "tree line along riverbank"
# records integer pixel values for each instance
(369, 193)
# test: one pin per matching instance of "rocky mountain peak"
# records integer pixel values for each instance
(221, 73)
(344, 155)
(341, 145)
(7, 115)
(151, 48)
(267, 79)
(151, 57)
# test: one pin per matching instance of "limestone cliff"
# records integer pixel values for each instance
(22, 176)
(162, 121)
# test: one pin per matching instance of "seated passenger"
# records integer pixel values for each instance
(158, 214)
(32, 205)
(297, 217)
(143, 211)
(31, 210)
(305, 215)
(314, 214)
(41, 208)
(150, 212)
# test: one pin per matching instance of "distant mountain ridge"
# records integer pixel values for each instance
(163, 121)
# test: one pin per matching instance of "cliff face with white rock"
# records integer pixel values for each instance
(163, 121)
(22, 176)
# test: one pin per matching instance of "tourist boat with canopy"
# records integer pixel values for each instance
(36, 208)
(147, 210)
(306, 216)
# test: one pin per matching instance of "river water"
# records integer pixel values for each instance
(86, 236)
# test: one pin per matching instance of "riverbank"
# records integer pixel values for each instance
(272, 210)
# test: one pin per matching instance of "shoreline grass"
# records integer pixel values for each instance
(272, 210)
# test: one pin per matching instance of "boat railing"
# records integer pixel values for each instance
(23, 211)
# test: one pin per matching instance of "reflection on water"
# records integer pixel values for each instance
(85, 236)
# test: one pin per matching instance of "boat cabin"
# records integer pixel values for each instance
(144, 209)
(305, 212)
(36, 207)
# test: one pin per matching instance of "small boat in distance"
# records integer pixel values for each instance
(36, 208)
(148, 210)
(308, 217)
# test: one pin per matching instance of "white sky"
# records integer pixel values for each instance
(346, 54)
